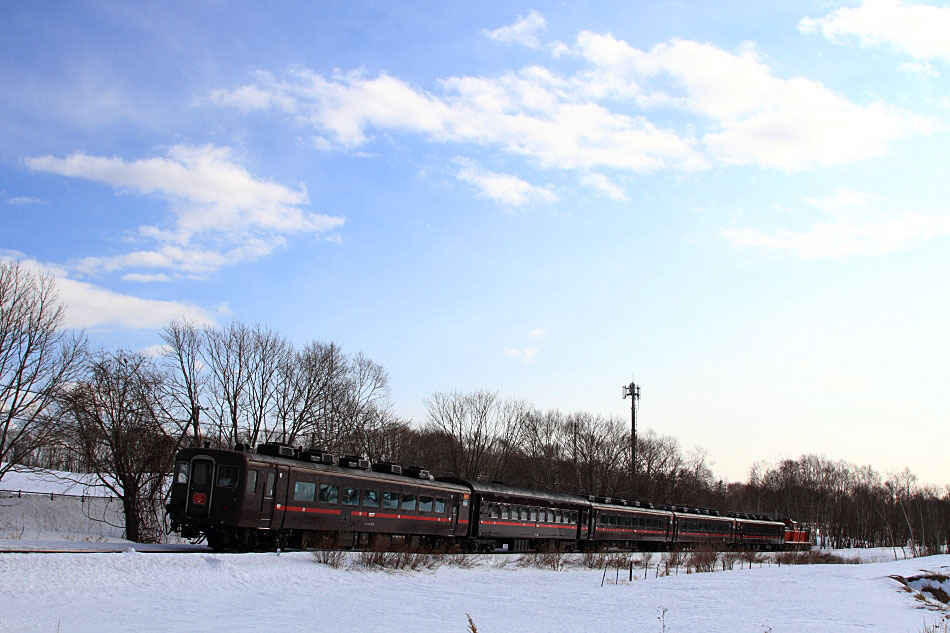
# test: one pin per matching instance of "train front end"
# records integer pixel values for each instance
(206, 492)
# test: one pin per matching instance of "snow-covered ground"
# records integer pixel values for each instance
(133, 591)
(136, 591)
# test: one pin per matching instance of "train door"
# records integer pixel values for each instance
(279, 498)
(200, 487)
(269, 490)
(454, 520)
(583, 524)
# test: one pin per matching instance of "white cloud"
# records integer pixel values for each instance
(731, 110)
(146, 277)
(504, 188)
(532, 112)
(753, 117)
(524, 31)
(91, 306)
(25, 200)
(603, 186)
(841, 238)
(524, 355)
(841, 202)
(918, 30)
(537, 333)
(156, 351)
(922, 69)
(220, 213)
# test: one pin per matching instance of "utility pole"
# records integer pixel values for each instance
(633, 390)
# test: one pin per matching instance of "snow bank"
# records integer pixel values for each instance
(53, 481)
(251, 592)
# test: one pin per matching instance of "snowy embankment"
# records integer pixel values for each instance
(58, 506)
(250, 592)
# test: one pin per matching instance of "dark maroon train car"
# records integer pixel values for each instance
(759, 532)
(514, 519)
(692, 527)
(244, 500)
(621, 524)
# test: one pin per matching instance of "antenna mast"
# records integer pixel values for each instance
(633, 390)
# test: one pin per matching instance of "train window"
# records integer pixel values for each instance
(613, 520)
(391, 500)
(269, 486)
(533, 514)
(228, 476)
(371, 498)
(440, 506)
(603, 519)
(303, 490)
(329, 493)
(550, 516)
(573, 516)
(201, 473)
(524, 514)
(251, 487)
(351, 496)
(493, 512)
(627, 521)
(425, 504)
(181, 472)
(557, 516)
(505, 512)
(409, 502)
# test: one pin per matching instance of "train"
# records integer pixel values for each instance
(279, 496)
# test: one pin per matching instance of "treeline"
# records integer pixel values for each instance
(122, 415)
(852, 506)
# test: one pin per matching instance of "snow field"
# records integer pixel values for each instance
(214, 592)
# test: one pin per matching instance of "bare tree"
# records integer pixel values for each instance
(227, 354)
(119, 424)
(37, 358)
(187, 383)
(267, 354)
(479, 431)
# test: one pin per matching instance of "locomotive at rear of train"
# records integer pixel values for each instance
(282, 497)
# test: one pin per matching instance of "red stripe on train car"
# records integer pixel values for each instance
(309, 510)
(531, 525)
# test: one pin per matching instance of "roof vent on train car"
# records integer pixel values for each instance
(387, 467)
(317, 456)
(274, 449)
(603, 500)
(354, 461)
(416, 472)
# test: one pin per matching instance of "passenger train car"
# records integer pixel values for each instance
(283, 497)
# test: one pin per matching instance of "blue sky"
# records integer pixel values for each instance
(743, 204)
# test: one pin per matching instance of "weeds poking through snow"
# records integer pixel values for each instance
(542, 560)
(471, 625)
(331, 557)
(702, 560)
(394, 561)
(813, 557)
